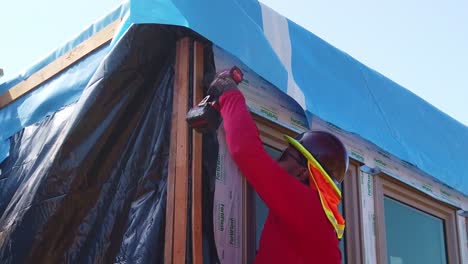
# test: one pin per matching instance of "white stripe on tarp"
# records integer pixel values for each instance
(276, 30)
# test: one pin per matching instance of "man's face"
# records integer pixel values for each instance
(294, 164)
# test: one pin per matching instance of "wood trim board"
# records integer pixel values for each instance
(197, 242)
(352, 209)
(178, 174)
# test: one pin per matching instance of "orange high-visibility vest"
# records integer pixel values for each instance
(329, 193)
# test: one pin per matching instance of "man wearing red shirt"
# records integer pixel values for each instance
(303, 225)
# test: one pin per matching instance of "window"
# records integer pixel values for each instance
(413, 235)
(261, 210)
(413, 227)
(256, 210)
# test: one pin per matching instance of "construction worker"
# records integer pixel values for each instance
(300, 188)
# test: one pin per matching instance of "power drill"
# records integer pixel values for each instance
(205, 116)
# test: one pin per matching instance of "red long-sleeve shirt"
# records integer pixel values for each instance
(296, 230)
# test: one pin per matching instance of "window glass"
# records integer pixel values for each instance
(261, 213)
(261, 210)
(413, 236)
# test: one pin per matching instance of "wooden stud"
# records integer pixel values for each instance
(197, 243)
(352, 208)
(176, 210)
(60, 64)
(379, 213)
(181, 183)
(171, 172)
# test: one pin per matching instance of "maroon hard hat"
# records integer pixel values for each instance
(328, 150)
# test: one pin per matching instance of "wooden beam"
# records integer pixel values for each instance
(177, 190)
(197, 242)
(60, 64)
(171, 171)
(352, 209)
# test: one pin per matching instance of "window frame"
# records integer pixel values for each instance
(403, 193)
(352, 213)
(272, 134)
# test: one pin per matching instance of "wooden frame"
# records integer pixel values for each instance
(177, 178)
(272, 134)
(63, 62)
(352, 211)
(387, 186)
(197, 243)
(189, 68)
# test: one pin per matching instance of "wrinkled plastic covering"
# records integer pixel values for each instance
(88, 184)
(62, 90)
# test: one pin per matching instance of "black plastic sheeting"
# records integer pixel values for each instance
(88, 184)
(209, 162)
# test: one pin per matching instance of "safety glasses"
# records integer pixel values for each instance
(302, 162)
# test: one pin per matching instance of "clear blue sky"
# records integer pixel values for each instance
(422, 45)
(30, 30)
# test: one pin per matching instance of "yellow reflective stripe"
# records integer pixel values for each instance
(314, 162)
(340, 233)
(339, 229)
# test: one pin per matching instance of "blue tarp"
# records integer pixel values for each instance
(326, 82)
